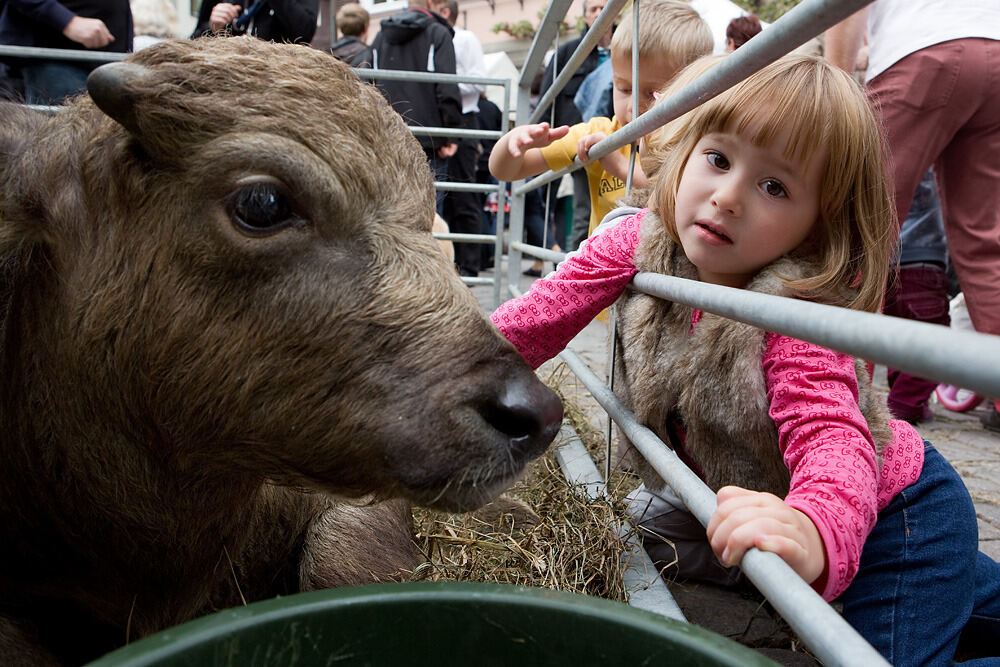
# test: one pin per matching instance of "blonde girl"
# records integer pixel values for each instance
(777, 186)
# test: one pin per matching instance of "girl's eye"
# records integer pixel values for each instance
(717, 160)
(261, 208)
(774, 188)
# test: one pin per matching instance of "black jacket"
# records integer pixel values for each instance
(417, 40)
(566, 111)
(278, 21)
(352, 51)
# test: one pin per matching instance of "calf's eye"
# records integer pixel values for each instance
(261, 208)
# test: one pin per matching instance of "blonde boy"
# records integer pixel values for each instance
(671, 35)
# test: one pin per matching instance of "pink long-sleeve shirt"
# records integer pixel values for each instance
(813, 393)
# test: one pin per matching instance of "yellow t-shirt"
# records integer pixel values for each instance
(605, 189)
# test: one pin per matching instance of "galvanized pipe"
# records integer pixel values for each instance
(603, 23)
(547, 31)
(62, 54)
(822, 629)
(963, 358)
(797, 26)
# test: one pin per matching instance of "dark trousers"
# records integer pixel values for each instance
(51, 82)
(463, 210)
(918, 292)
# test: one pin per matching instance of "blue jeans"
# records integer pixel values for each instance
(51, 82)
(922, 578)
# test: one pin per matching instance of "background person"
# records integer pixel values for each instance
(352, 47)
(463, 210)
(740, 30)
(100, 25)
(420, 40)
(273, 20)
(933, 79)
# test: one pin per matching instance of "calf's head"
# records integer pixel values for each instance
(229, 260)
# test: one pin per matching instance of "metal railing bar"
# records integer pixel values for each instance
(461, 133)
(466, 238)
(642, 581)
(538, 252)
(797, 26)
(548, 28)
(453, 186)
(61, 54)
(820, 627)
(426, 77)
(963, 358)
(603, 23)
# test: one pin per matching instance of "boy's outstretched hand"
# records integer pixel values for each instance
(525, 137)
(745, 519)
(515, 156)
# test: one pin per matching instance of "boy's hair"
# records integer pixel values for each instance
(452, 7)
(817, 106)
(352, 19)
(668, 30)
(656, 145)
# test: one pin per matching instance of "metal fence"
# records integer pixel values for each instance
(496, 238)
(964, 359)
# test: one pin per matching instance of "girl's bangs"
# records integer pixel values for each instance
(782, 101)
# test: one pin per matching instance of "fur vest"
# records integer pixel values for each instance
(711, 379)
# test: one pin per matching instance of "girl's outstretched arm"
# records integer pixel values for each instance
(544, 319)
(745, 519)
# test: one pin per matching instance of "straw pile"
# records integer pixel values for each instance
(542, 532)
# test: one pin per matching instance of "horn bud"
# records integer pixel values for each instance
(115, 89)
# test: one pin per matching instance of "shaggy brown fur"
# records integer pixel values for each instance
(713, 378)
(221, 311)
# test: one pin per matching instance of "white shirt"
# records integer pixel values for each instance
(897, 28)
(469, 61)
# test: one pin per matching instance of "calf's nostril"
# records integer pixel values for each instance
(526, 411)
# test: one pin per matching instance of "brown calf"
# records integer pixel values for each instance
(228, 339)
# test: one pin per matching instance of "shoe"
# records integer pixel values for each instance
(467, 273)
(913, 415)
(991, 420)
(534, 273)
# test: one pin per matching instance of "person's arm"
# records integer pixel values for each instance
(518, 154)
(543, 320)
(470, 61)
(297, 18)
(830, 453)
(844, 40)
(91, 33)
(449, 102)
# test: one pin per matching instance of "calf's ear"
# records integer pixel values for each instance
(116, 88)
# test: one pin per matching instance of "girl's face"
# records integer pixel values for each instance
(740, 206)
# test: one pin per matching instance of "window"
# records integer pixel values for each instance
(383, 6)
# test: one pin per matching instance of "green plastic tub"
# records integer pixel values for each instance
(430, 625)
